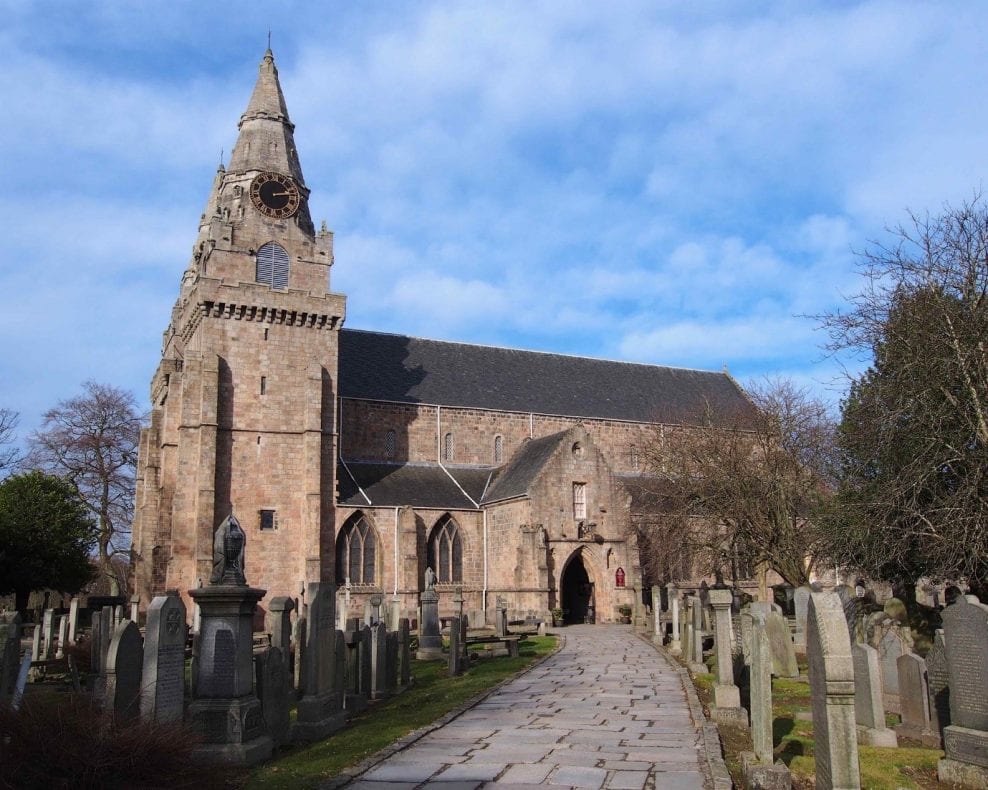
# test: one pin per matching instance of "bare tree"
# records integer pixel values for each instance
(914, 429)
(91, 441)
(744, 495)
(10, 456)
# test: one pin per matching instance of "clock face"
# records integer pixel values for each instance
(274, 195)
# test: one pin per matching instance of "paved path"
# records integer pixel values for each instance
(604, 712)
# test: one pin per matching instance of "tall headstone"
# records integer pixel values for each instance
(339, 665)
(760, 685)
(782, 647)
(123, 672)
(63, 636)
(890, 648)
(430, 639)
(106, 627)
(500, 617)
(869, 710)
(73, 619)
(831, 670)
(226, 714)
(455, 661)
(965, 740)
(404, 654)
(280, 609)
(696, 649)
(939, 685)
(36, 643)
(379, 662)
(366, 660)
(727, 696)
(356, 698)
(915, 701)
(10, 655)
(800, 600)
(274, 693)
(163, 683)
(95, 648)
(320, 710)
(48, 634)
(657, 621)
(675, 645)
(391, 669)
(299, 632)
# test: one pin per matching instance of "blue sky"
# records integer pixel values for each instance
(674, 183)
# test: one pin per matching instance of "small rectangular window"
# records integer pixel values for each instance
(269, 519)
(579, 500)
(264, 384)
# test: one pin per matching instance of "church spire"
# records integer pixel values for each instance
(266, 141)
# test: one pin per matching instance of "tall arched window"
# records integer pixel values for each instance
(272, 266)
(446, 551)
(356, 551)
(448, 447)
(498, 450)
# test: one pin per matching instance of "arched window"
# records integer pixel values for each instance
(498, 450)
(448, 447)
(390, 442)
(272, 266)
(446, 551)
(356, 551)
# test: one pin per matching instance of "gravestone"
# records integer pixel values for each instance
(696, 649)
(656, 615)
(430, 639)
(851, 605)
(163, 683)
(782, 647)
(501, 618)
(36, 643)
(761, 690)
(225, 714)
(375, 602)
(356, 699)
(936, 675)
(404, 654)
(454, 660)
(73, 619)
(63, 636)
(391, 668)
(106, 628)
(10, 655)
(800, 600)
(965, 740)
(727, 696)
(831, 670)
(273, 691)
(48, 634)
(299, 633)
(914, 695)
(368, 613)
(379, 662)
(891, 646)
(366, 661)
(123, 672)
(687, 629)
(320, 710)
(95, 649)
(675, 644)
(869, 710)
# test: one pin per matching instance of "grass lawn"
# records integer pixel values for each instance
(909, 766)
(432, 695)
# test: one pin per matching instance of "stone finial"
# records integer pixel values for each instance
(228, 553)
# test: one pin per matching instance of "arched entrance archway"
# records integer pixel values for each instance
(577, 587)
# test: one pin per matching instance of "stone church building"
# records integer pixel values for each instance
(362, 458)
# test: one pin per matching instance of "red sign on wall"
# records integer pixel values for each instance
(619, 577)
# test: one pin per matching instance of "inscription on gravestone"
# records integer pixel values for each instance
(966, 628)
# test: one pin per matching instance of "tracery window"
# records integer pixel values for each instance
(356, 552)
(448, 447)
(272, 266)
(445, 555)
(579, 500)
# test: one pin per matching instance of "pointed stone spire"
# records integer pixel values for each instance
(266, 140)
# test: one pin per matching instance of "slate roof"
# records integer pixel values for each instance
(418, 485)
(517, 477)
(377, 366)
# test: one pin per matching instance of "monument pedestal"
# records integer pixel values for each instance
(319, 716)
(727, 706)
(966, 761)
(226, 714)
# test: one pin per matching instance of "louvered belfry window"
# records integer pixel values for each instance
(272, 266)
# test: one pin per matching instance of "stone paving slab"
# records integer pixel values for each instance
(606, 712)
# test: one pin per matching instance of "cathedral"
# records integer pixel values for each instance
(360, 458)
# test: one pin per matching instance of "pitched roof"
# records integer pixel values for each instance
(517, 477)
(378, 366)
(418, 485)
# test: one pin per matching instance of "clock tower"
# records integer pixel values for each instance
(243, 403)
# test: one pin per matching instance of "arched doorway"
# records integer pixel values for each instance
(579, 603)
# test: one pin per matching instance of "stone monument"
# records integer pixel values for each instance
(727, 696)
(869, 710)
(163, 685)
(430, 639)
(226, 714)
(123, 672)
(320, 710)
